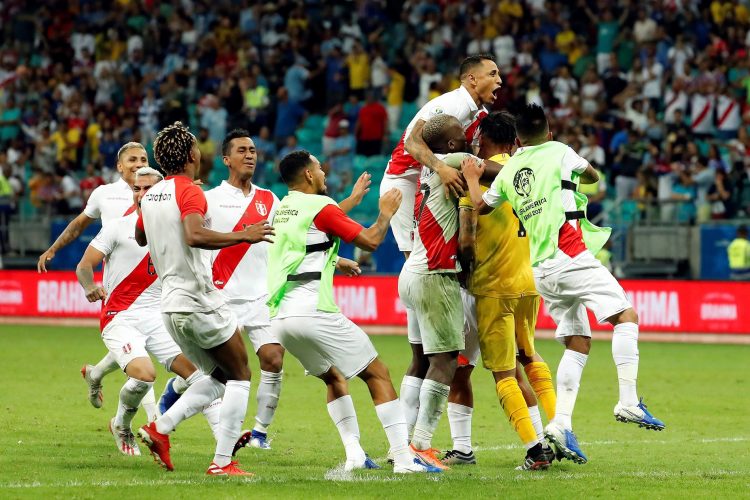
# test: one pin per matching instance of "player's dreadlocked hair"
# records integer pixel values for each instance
(172, 148)
(128, 146)
(499, 127)
(435, 130)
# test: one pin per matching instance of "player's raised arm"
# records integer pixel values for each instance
(370, 239)
(71, 232)
(360, 189)
(85, 274)
(417, 148)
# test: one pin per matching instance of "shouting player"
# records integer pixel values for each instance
(304, 316)
(172, 223)
(540, 183)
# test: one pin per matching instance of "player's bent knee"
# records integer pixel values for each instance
(626, 316)
(271, 357)
(141, 369)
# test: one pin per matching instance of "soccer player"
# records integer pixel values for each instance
(428, 284)
(480, 79)
(172, 223)
(107, 203)
(304, 316)
(540, 182)
(502, 304)
(131, 324)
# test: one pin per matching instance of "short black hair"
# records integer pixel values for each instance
(499, 127)
(472, 62)
(742, 231)
(238, 133)
(291, 165)
(531, 123)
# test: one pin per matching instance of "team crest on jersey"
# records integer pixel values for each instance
(522, 182)
(261, 208)
(437, 111)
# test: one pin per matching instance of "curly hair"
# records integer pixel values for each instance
(435, 130)
(172, 148)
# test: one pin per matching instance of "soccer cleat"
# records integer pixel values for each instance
(259, 440)
(536, 459)
(243, 441)
(549, 453)
(638, 415)
(429, 457)
(417, 466)
(367, 463)
(168, 397)
(95, 388)
(124, 439)
(231, 469)
(565, 443)
(158, 445)
(455, 457)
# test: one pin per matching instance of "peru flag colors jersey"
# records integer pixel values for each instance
(185, 272)
(458, 103)
(435, 247)
(240, 270)
(109, 202)
(129, 276)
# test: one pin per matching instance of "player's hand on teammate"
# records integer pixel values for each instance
(260, 231)
(451, 179)
(96, 294)
(390, 202)
(361, 187)
(348, 267)
(47, 256)
(472, 169)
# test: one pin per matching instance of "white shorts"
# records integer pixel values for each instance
(129, 336)
(325, 340)
(402, 222)
(196, 332)
(470, 354)
(584, 283)
(253, 316)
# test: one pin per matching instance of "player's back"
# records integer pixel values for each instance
(109, 202)
(185, 271)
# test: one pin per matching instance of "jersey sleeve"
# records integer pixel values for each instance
(106, 240)
(93, 209)
(494, 196)
(574, 161)
(192, 200)
(333, 220)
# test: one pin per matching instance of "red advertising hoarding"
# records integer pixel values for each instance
(663, 306)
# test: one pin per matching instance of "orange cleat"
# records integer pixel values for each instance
(158, 444)
(232, 469)
(429, 457)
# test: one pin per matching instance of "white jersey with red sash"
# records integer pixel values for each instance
(701, 113)
(110, 202)
(728, 116)
(240, 270)
(130, 280)
(674, 101)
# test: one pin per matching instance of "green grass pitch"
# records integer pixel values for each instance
(54, 444)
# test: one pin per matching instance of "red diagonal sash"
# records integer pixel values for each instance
(702, 116)
(725, 115)
(128, 290)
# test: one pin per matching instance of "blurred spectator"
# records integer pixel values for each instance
(207, 146)
(290, 144)
(10, 121)
(148, 116)
(92, 181)
(214, 118)
(738, 254)
(289, 115)
(593, 152)
(295, 80)
(331, 132)
(341, 152)
(69, 195)
(359, 70)
(395, 99)
(371, 127)
(683, 192)
(266, 150)
(720, 196)
(378, 74)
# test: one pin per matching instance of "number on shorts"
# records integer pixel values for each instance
(521, 229)
(150, 267)
(426, 189)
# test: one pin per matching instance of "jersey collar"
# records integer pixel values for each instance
(237, 192)
(469, 100)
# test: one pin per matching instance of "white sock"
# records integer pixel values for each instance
(269, 389)
(198, 395)
(106, 365)
(432, 398)
(625, 354)
(410, 387)
(536, 421)
(149, 405)
(344, 417)
(391, 415)
(180, 385)
(212, 413)
(232, 416)
(459, 418)
(569, 373)
(131, 394)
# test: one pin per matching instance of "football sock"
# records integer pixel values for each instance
(459, 418)
(410, 387)
(212, 413)
(232, 416)
(201, 393)
(180, 385)
(540, 379)
(149, 405)
(269, 389)
(536, 421)
(344, 417)
(131, 394)
(625, 354)
(391, 416)
(106, 365)
(511, 399)
(569, 373)
(432, 398)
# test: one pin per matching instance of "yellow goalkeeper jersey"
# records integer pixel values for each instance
(502, 266)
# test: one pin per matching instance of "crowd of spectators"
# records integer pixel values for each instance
(653, 93)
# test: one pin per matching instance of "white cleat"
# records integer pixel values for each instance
(360, 463)
(124, 439)
(95, 387)
(638, 414)
(417, 466)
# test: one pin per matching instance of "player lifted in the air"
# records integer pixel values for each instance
(540, 182)
(172, 223)
(304, 316)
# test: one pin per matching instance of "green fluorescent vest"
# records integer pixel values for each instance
(292, 220)
(531, 182)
